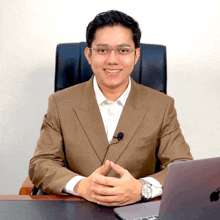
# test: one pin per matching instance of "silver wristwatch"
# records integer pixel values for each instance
(146, 192)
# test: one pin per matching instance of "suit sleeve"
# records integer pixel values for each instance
(172, 145)
(46, 169)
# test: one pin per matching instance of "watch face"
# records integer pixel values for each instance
(146, 191)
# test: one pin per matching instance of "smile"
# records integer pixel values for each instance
(112, 71)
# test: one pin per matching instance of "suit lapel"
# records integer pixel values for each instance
(132, 115)
(91, 121)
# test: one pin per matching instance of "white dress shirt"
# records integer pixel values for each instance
(111, 112)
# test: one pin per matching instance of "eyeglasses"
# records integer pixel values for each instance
(105, 50)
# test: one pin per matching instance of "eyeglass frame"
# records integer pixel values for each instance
(115, 49)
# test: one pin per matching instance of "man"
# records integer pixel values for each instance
(89, 118)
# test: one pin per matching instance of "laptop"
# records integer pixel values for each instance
(191, 191)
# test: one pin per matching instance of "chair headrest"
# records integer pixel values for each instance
(72, 67)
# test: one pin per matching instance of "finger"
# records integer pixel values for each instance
(113, 204)
(104, 168)
(104, 190)
(105, 180)
(118, 169)
(105, 199)
(110, 200)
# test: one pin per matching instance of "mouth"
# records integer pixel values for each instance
(112, 72)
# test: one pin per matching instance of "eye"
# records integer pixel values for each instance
(102, 50)
(124, 50)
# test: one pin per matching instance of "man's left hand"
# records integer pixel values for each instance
(111, 191)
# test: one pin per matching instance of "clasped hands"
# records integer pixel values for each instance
(110, 191)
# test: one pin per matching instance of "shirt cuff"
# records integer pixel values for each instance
(69, 187)
(156, 186)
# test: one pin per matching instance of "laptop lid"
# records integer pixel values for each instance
(191, 190)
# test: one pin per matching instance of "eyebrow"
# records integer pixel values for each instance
(102, 45)
(124, 45)
(119, 45)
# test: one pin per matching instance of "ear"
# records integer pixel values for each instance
(88, 55)
(137, 54)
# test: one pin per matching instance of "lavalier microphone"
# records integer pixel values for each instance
(119, 136)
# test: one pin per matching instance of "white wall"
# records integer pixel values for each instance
(30, 31)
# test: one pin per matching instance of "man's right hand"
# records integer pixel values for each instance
(84, 187)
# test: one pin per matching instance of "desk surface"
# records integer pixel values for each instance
(50, 207)
(54, 209)
(40, 197)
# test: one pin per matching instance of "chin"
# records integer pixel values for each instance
(112, 86)
(115, 85)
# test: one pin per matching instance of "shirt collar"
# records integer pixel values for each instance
(101, 98)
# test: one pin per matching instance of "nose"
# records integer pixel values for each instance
(113, 57)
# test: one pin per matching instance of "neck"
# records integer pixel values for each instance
(112, 94)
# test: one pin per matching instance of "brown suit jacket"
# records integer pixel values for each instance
(148, 121)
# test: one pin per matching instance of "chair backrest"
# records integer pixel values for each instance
(72, 67)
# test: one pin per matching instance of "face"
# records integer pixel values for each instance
(112, 70)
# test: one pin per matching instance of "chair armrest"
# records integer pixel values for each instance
(27, 187)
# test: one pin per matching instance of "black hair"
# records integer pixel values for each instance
(112, 18)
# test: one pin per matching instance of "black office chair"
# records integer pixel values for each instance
(72, 68)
